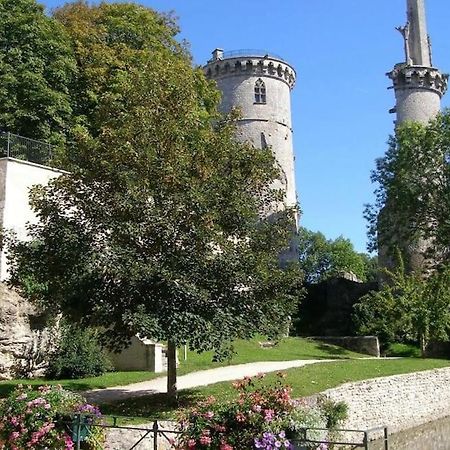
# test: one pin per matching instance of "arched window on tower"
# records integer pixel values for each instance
(260, 91)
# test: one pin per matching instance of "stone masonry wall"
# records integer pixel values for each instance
(399, 402)
(24, 341)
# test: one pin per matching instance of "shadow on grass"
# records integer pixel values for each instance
(151, 407)
(332, 350)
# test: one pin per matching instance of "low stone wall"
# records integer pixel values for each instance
(361, 344)
(400, 402)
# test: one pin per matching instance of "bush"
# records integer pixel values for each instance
(78, 355)
(260, 417)
(335, 413)
(34, 419)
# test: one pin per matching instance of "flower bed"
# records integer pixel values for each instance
(42, 419)
(260, 417)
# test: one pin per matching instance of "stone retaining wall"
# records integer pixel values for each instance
(361, 344)
(399, 402)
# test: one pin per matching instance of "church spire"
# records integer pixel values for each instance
(418, 40)
(418, 85)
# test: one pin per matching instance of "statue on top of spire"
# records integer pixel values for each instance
(404, 31)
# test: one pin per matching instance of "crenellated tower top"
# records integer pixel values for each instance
(251, 62)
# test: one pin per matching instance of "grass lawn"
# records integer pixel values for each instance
(246, 351)
(304, 381)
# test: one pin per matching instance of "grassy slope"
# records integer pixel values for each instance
(304, 381)
(247, 351)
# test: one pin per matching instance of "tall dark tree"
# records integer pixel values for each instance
(322, 258)
(37, 67)
(156, 230)
(412, 208)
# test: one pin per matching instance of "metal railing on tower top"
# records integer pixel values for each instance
(25, 149)
(251, 52)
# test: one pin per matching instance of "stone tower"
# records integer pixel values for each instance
(418, 85)
(418, 88)
(259, 84)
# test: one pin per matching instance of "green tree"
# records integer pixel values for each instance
(413, 193)
(156, 229)
(322, 258)
(108, 40)
(37, 68)
(407, 308)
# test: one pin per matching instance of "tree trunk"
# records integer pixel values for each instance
(172, 392)
(423, 345)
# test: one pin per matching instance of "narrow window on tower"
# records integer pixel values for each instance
(260, 91)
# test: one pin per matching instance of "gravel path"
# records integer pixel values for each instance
(194, 379)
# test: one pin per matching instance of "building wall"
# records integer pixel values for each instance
(16, 179)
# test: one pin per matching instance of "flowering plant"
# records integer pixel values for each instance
(32, 418)
(257, 418)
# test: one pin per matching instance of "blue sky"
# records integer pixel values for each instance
(341, 50)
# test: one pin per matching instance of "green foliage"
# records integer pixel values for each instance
(403, 350)
(336, 413)
(322, 258)
(35, 419)
(37, 68)
(407, 308)
(413, 193)
(78, 355)
(112, 43)
(157, 229)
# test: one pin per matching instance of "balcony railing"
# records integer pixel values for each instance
(26, 149)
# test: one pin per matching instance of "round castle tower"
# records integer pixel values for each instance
(419, 87)
(259, 84)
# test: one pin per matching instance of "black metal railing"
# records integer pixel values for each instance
(250, 52)
(26, 149)
(341, 438)
(82, 429)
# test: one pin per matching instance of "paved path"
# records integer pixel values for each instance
(194, 379)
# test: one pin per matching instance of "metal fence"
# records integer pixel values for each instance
(83, 429)
(345, 439)
(251, 52)
(26, 149)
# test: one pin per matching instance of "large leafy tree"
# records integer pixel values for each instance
(322, 258)
(108, 40)
(157, 229)
(37, 68)
(407, 308)
(412, 208)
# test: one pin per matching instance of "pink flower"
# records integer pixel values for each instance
(14, 421)
(205, 440)
(256, 408)
(225, 446)
(208, 415)
(14, 435)
(191, 443)
(268, 415)
(240, 417)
